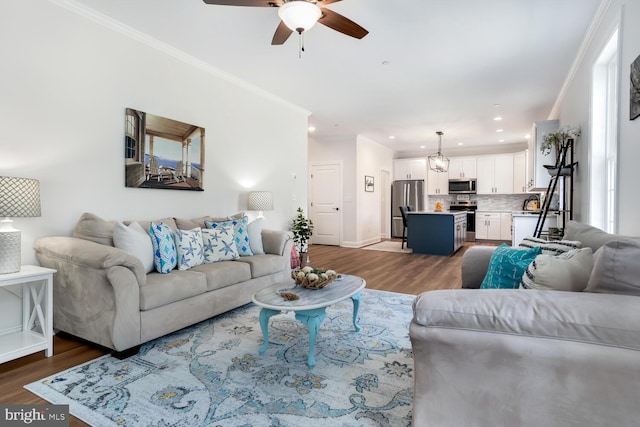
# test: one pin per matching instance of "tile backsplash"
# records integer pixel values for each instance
(486, 202)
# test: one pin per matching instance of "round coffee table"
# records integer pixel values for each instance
(310, 308)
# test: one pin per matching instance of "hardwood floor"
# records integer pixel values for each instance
(387, 271)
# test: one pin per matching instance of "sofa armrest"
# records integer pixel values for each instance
(604, 319)
(475, 262)
(275, 242)
(96, 290)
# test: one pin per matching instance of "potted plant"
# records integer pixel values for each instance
(555, 141)
(302, 229)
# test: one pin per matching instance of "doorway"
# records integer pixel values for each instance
(325, 197)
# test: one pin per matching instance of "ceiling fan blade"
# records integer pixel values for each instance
(281, 35)
(342, 24)
(325, 2)
(256, 3)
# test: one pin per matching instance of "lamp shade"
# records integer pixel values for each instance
(299, 15)
(260, 201)
(19, 197)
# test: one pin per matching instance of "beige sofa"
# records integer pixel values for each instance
(103, 294)
(516, 357)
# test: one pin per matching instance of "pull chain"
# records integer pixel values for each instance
(300, 44)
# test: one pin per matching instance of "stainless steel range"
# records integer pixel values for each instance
(470, 206)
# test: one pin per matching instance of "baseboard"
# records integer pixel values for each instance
(359, 244)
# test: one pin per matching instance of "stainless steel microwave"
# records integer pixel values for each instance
(462, 186)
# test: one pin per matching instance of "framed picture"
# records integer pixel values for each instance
(634, 96)
(162, 153)
(368, 183)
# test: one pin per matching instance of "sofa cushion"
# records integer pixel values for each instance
(224, 273)
(590, 236)
(92, 227)
(263, 265)
(189, 248)
(568, 271)
(555, 247)
(616, 268)
(254, 229)
(507, 265)
(136, 241)
(165, 255)
(163, 289)
(219, 244)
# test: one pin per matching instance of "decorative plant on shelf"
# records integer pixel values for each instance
(302, 229)
(556, 140)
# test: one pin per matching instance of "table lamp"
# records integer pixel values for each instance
(260, 201)
(19, 197)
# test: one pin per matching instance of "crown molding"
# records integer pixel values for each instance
(577, 61)
(115, 25)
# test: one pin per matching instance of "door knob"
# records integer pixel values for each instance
(337, 209)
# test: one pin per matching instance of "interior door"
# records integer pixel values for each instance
(324, 203)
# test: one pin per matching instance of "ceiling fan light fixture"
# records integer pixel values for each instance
(439, 162)
(299, 15)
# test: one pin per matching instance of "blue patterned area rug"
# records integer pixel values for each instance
(211, 374)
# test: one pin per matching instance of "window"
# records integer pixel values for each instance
(604, 135)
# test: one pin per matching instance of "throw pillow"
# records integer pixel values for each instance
(254, 230)
(189, 247)
(507, 265)
(616, 268)
(134, 240)
(219, 244)
(92, 227)
(165, 256)
(554, 247)
(569, 271)
(241, 236)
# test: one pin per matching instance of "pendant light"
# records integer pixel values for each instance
(438, 162)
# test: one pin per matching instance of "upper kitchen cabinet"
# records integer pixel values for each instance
(437, 183)
(462, 167)
(410, 169)
(538, 175)
(495, 174)
(520, 173)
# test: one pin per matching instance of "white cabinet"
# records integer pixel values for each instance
(495, 174)
(410, 169)
(493, 225)
(505, 226)
(36, 333)
(520, 173)
(538, 175)
(524, 225)
(437, 183)
(462, 167)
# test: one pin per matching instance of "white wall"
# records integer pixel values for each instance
(372, 158)
(66, 81)
(575, 109)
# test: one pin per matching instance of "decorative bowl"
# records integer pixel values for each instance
(314, 278)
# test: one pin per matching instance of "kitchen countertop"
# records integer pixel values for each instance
(437, 213)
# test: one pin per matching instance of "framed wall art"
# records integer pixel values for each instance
(634, 96)
(368, 183)
(162, 153)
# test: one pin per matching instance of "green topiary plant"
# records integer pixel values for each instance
(302, 229)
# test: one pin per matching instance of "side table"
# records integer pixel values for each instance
(37, 304)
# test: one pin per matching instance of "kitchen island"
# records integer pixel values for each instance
(436, 233)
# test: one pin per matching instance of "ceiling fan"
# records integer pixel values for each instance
(301, 15)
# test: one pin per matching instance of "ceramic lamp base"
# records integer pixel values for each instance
(9, 248)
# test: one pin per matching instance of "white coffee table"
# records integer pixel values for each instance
(310, 308)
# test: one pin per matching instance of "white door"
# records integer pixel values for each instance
(385, 205)
(324, 203)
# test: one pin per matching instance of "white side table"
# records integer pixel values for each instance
(37, 304)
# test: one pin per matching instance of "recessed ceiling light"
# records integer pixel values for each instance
(499, 130)
(497, 118)
(501, 140)
(527, 136)
(422, 146)
(392, 137)
(312, 128)
(496, 105)
(460, 143)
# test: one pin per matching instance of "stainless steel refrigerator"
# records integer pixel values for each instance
(405, 193)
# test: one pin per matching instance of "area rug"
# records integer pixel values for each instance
(211, 374)
(389, 246)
